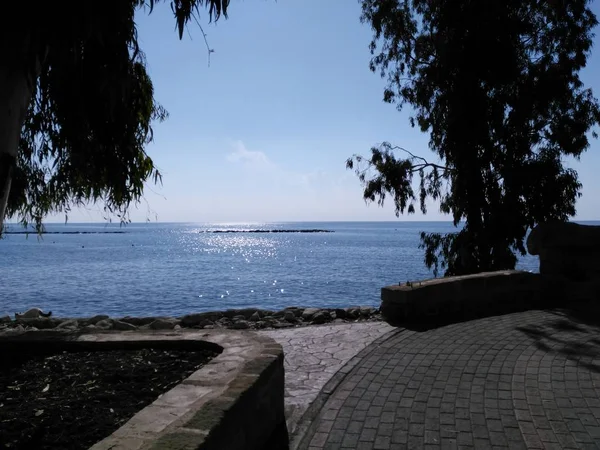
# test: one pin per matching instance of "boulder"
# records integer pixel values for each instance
(240, 325)
(289, 316)
(70, 324)
(5, 319)
(246, 313)
(139, 321)
(42, 323)
(320, 317)
(123, 326)
(97, 318)
(255, 317)
(352, 313)
(162, 324)
(340, 313)
(105, 324)
(14, 330)
(295, 310)
(309, 313)
(366, 311)
(191, 320)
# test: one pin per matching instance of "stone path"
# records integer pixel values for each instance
(525, 380)
(314, 354)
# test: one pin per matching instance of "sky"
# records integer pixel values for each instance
(263, 133)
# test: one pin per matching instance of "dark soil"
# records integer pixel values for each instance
(71, 401)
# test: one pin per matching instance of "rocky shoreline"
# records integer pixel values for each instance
(236, 319)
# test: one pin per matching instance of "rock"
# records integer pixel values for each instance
(207, 327)
(139, 321)
(246, 313)
(97, 318)
(105, 324)
(240, 325)
(70, 324)
(289, 316)
(295, 310)
(282, 325)
(5, 319)
(177, 327)
(352, 313)
(123, 326)
(191, 320)
(332, 315)
(89, 328)
(162, 324)
(254, 317)
(338, 321)
(15, 330)
(366, 311)
(309, 313)
(238, 318)
(33, 313)
(320, 317)
(260, 324)
(340, 313)
(41, 323)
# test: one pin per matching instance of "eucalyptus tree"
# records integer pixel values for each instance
(77, 104)
(496, 86)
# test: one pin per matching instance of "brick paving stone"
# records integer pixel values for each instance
(527, 380)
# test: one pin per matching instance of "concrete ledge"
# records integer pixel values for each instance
(489, 291)
(233, 402)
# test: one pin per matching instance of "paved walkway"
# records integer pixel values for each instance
(525, 380)
(314, 354)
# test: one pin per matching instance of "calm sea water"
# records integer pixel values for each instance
(172, 269)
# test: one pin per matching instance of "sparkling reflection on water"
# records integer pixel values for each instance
(173, 269)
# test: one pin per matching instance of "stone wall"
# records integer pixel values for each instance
(489, 292)
(235, 401)
(569, 259)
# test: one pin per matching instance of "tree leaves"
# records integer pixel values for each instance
(91, 117)
(495, 85)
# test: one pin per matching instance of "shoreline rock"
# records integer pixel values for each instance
(237, 319)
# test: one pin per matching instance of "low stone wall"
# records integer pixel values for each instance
(233, 402)
(569, 259)
(501, 291)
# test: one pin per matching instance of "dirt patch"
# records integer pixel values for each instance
(72, 400)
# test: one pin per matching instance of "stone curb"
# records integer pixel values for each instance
(235, 401)
(306, 426)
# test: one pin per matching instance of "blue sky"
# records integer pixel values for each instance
(263, 133)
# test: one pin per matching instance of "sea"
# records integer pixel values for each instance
(171, 269)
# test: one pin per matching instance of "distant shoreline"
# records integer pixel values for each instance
(203, 231)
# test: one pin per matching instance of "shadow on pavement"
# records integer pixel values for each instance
(574, 333)
(440, 320)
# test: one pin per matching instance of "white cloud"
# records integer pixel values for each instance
(242, 155)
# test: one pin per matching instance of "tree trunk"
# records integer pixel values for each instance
(15, 94)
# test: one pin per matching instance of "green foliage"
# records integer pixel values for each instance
(93, 104)
(496, 86)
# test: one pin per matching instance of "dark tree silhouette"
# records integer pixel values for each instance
(495, 84)
(77, 104)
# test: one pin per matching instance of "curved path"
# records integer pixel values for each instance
(313, 355)
(525, 380)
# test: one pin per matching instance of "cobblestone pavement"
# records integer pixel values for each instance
(525, 380)
(314, 354)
